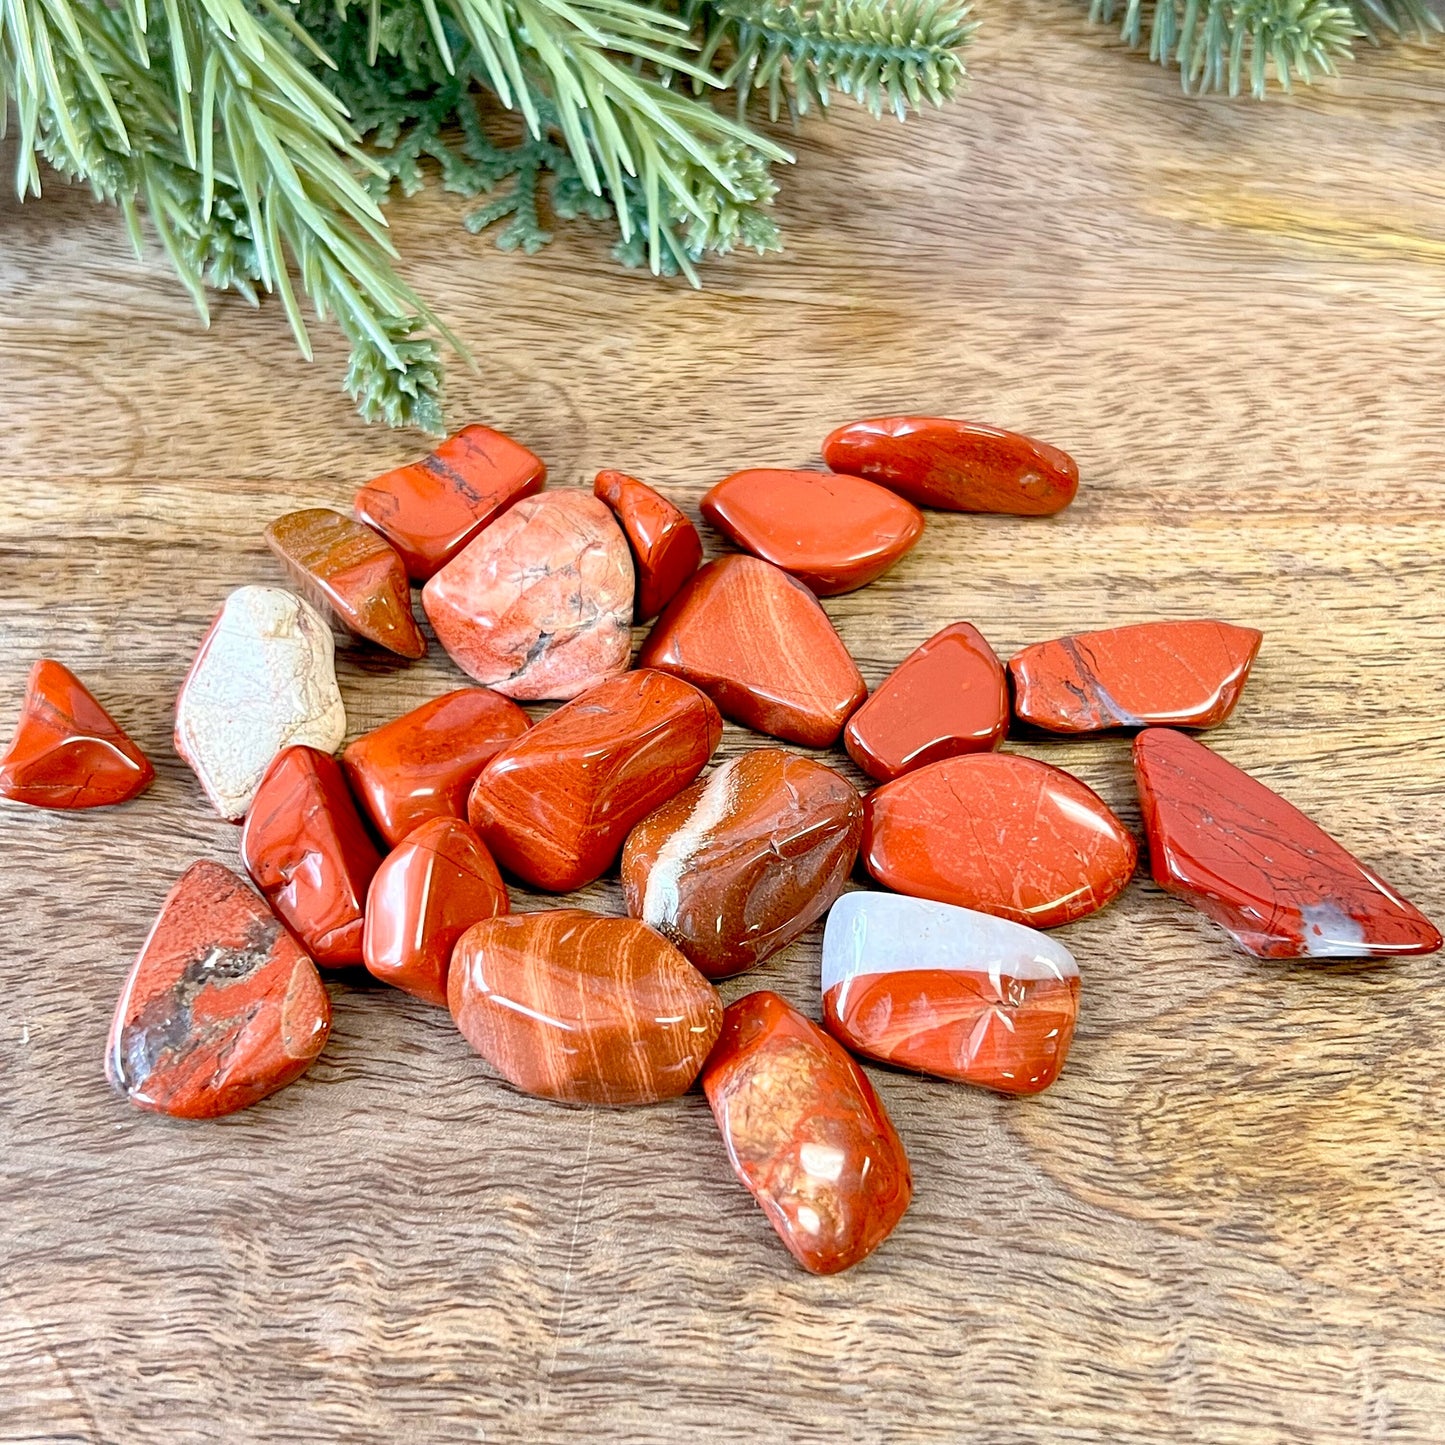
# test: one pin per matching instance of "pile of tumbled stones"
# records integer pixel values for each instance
(533, 594)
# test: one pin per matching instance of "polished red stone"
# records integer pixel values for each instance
(999, 833)
(959, 466)
(1258, 867)
(947, 697)
(429, 510)
(735, 867)
(352, 572)
(425, 895)
(833, 533)
(220, 1008)
(423, 764)
(665, 545)
(806, 1134)
(759, 645)
(1183, 674)
(68, 752)
(571, 1005)
(556, 805)
(308, 851)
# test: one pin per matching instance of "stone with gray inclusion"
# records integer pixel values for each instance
(948, 991)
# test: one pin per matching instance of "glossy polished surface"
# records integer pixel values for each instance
(308, 851)
(948, 991)
(948, 697)
(429, 510)
(425, 895)
(263, 678)
(735, 867)
(540, 605)
(555, 806)
(1000, 833)
(570, 1005)
(68, 752)
(833, 533)
(353, 572)
(756, 641)
(806, 1134)
(959, 466)
(422, 765)
(1179, 674)
(220, 1008)
(1258, 867)
(665, 545)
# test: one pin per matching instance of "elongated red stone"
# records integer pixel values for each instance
(960, 466)
(947, 697)
(429, 510)
(68, 752)
(759, 645)
(308, 851)
(555, 806)
(999, 833)
(1180, 674)
(1258, 867)
(425, 895)
(833, 533)
(221, 1006)
(735, 867)
(665, 545)
(806, 1134)
(422, 765)
(352, 572)
(948, 991)
(570, 1005)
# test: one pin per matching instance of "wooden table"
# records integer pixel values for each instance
(1225, 1222)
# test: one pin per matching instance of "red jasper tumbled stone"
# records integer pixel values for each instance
(426, 894)
(1258, 867)
(999, 833)
(423, 764)
(665, 545)
(308, 851)
(947, 697)
(834, 533)
(960, 466)
(757, 642)
(555, 806)
(68, 752)
(806, 1134)
(220, 1008)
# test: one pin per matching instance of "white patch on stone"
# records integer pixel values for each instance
(264, 679)
(1330, 932)
(871, 933)
(660, 899)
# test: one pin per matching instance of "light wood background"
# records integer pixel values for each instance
(1226, 1222)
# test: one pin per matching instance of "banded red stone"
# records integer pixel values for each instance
(665, 545)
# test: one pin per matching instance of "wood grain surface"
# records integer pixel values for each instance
(1227, 1220)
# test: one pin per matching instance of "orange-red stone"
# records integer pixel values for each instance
(308, 851)
(352, 572)
(220, 1008)
(570, 1005)
(423, 764)
(959, 466)
(834, 533)
(1177, 674)
(999, 833)
(665, 545)
(806, 1134)
(757, 642)
(949, 696)
(556, 805)
(1258, 867)
(425, 895)
(68, 752)
(429, 510)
